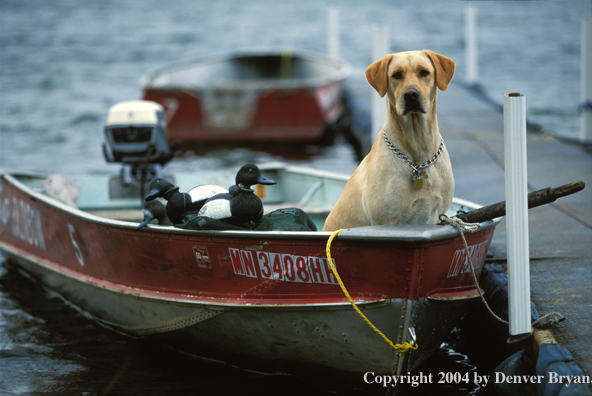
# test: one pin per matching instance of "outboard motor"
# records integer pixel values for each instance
(135, 135)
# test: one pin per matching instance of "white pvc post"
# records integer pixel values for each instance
(586, 81)
(333, 31)
(471, 55)
(380, 48)
(517, 213)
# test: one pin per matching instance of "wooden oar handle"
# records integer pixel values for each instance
(536, 198)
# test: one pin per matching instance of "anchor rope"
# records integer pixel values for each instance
(543, 322)
(400, 348)
(470, 227)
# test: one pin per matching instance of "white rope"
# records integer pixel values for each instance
(470, 227)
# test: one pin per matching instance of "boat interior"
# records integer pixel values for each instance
(315, 192)
(257, 68)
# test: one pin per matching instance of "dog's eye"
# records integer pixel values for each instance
(398, 75)
(424, 73)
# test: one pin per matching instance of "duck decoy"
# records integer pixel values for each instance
(154, 210)
(239, 206)
(180, 204)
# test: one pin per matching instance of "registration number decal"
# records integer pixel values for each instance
(26, 221)
(460, 264)
(283, 267)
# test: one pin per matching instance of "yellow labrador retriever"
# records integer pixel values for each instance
(407, 177)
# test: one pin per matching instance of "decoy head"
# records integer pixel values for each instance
(160, 188)
(249, 175)
(154, 210)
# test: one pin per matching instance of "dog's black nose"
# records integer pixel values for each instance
(411, 93)
(412, 101)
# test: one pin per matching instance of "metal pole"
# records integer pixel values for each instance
(517, 213)
(380, 48)
(333, 30)
(586, 81)
(471, 53)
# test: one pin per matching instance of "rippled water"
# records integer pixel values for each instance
(63, 63)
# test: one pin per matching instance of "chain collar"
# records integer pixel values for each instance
(416, 168)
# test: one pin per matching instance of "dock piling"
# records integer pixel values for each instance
(471, 54)
(585, 108)
(517, 214)
(380, 47)
(333, 31)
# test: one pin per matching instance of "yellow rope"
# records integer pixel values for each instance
(400, 348)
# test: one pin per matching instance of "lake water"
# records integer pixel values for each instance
(64, 63)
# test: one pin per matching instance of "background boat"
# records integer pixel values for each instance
(251, 96)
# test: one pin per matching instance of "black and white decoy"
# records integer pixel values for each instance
(180, 204)
(154, 210)
(239, 206)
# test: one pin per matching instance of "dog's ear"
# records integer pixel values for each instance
(376, 74)
(444, 69)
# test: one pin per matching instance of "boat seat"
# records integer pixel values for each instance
(133, 215)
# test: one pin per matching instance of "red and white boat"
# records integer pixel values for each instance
(268, 295)
(251, 96)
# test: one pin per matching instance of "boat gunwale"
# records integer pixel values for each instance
(342, 71)
(407, 233)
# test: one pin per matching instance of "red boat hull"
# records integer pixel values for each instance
(212, 268)
(280, 116)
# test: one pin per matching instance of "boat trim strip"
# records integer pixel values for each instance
(368, 302)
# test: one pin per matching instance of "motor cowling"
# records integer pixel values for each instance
(136, 133)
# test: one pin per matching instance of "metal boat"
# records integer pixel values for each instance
(250, 96)
(267, 295)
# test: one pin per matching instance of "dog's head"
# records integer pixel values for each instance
(410, 79)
